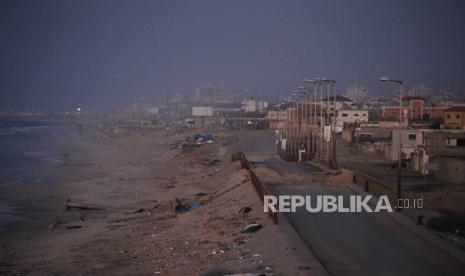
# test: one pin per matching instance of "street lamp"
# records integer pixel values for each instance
(331, 113)
(399, 153)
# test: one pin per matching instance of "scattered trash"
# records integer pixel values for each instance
(179, 207)
(420, 219)
(245, 210)
(252, 274)
(54, 223)
(138, 211)
(70, 206)
(186, 145)
(195, 205)
(74, 227)
(210, 162)
(206, 137)
(251, 228)
(216, 271)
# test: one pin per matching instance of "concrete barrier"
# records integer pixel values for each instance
(259, 188)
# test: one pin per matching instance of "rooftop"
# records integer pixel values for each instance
(456, 109)
(340, 98)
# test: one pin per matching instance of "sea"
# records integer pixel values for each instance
(26, 146)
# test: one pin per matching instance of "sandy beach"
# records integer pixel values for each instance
(132, 179)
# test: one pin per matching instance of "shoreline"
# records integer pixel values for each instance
(136, 177)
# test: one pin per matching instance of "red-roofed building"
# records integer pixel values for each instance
(414, 109)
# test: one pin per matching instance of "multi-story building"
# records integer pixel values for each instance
(251, 105)
(351, 116)
(212, 93)
(413, 109)
(429, 151)
(357, 93)
(455, 117)
(276, 117)
(333, 104)
(215, 115)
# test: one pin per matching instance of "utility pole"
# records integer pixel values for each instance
(332, 117)
(399, 137)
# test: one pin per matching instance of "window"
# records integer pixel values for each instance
(457, 116)
(412, 136)
(364, 115)
(448, 116)
(451, 142)
(344, 115)
(461, 142)
(455, 142)
(356, 115)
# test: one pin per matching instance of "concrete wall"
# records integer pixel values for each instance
(451, 170)
(408, 144)
(350, 116)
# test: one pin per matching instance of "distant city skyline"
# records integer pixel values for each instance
(59, 54)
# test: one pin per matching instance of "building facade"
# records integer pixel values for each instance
(454, 117)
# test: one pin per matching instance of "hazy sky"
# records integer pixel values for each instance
(67, 53)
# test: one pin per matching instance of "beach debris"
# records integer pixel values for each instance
(186, 145)
(54, 223)
(254, 227)
(216, 271)
(420, 219)
(74, 227)
(245, 210)
(70, 206)
(179, 207)
(251, 274)
(66, 155)
(204, 137)
(140, 210)
(195, 205)
(210, 162)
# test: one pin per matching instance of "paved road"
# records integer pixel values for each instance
(363, 243)
(354, 244)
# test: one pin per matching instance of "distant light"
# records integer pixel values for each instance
(384, 79)
(78, 109)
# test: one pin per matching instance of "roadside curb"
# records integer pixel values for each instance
(308, 262)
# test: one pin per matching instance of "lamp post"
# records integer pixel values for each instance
(399, 153)
(332, 114)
